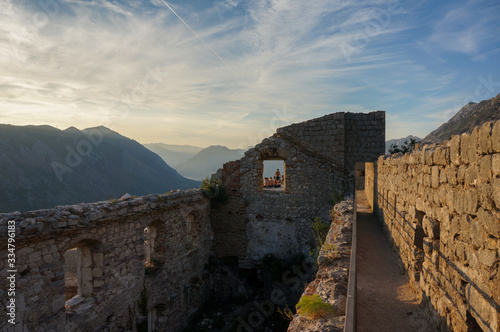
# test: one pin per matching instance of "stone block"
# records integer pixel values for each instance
(485, 145)
(84, 256)
(473, 149)
(485, 168)
(441, 156)
(495, 165)
(58, 303)
(428, 157)
(495, 189)
(96, 272)
(461, 173)
(470, 199)
(98, 283)
(86, 273)
(442, 176)
(427, 244)
(476, 232)
(435, 258)
(451, 174)
(495, 137)
(435, 177)
(485, 196)
(464, 148)
(431, 228)
(488, 257)
(455, 150)
(490, 221)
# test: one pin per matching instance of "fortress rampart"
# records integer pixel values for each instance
(440, 206)
(157, 245)
(146, 261)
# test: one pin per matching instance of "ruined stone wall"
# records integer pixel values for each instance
(364, 137)
(441, 208)
(117, 289)
(331, 279)
(315, 154)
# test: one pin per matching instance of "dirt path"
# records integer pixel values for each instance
(385, 301)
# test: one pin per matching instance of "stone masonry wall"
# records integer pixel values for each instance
(314, 154)
(369, 182)
(114, 280)
(344, 138)
(441, 208)
(331, 279)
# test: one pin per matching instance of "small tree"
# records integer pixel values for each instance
(406, 147)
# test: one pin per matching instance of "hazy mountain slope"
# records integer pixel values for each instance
(173, 155)
(207, 161)
(468, 117)
(41, 166)
(399, 142)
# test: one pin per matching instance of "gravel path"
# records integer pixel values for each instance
(385, 301)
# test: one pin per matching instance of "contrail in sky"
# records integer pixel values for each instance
(195, 33)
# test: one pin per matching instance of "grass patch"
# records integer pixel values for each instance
(313, 307)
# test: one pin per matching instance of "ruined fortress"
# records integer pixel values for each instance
(147, 260)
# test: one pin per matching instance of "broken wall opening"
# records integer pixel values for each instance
(82, 266)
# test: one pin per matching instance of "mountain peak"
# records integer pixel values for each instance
(468, 117)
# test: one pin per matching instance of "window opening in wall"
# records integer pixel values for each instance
(70, 273)
(79, 273)
(273, 175)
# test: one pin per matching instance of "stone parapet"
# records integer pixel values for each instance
(330, 281)
(126, 259)
(441, 208)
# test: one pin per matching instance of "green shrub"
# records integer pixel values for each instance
(331, 251)
(313, 307)
(213, 190)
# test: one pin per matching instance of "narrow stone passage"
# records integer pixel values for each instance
(385, 301)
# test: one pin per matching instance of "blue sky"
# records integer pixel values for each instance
(230, 72)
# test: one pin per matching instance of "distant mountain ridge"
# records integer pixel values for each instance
(42, 166)
(173, 155)
(208, 161)
(468, 117)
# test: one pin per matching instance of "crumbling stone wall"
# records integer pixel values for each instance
(331, 279)
(117, 290)
(319, 159)
(441, 208)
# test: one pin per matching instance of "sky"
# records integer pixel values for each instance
(230, 72)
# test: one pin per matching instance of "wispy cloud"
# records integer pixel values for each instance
(467, 28)
(136, 67)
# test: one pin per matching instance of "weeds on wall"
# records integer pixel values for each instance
(213, 190)
(313, 307)
(320, 230)
(286, 313)
(331, 251)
